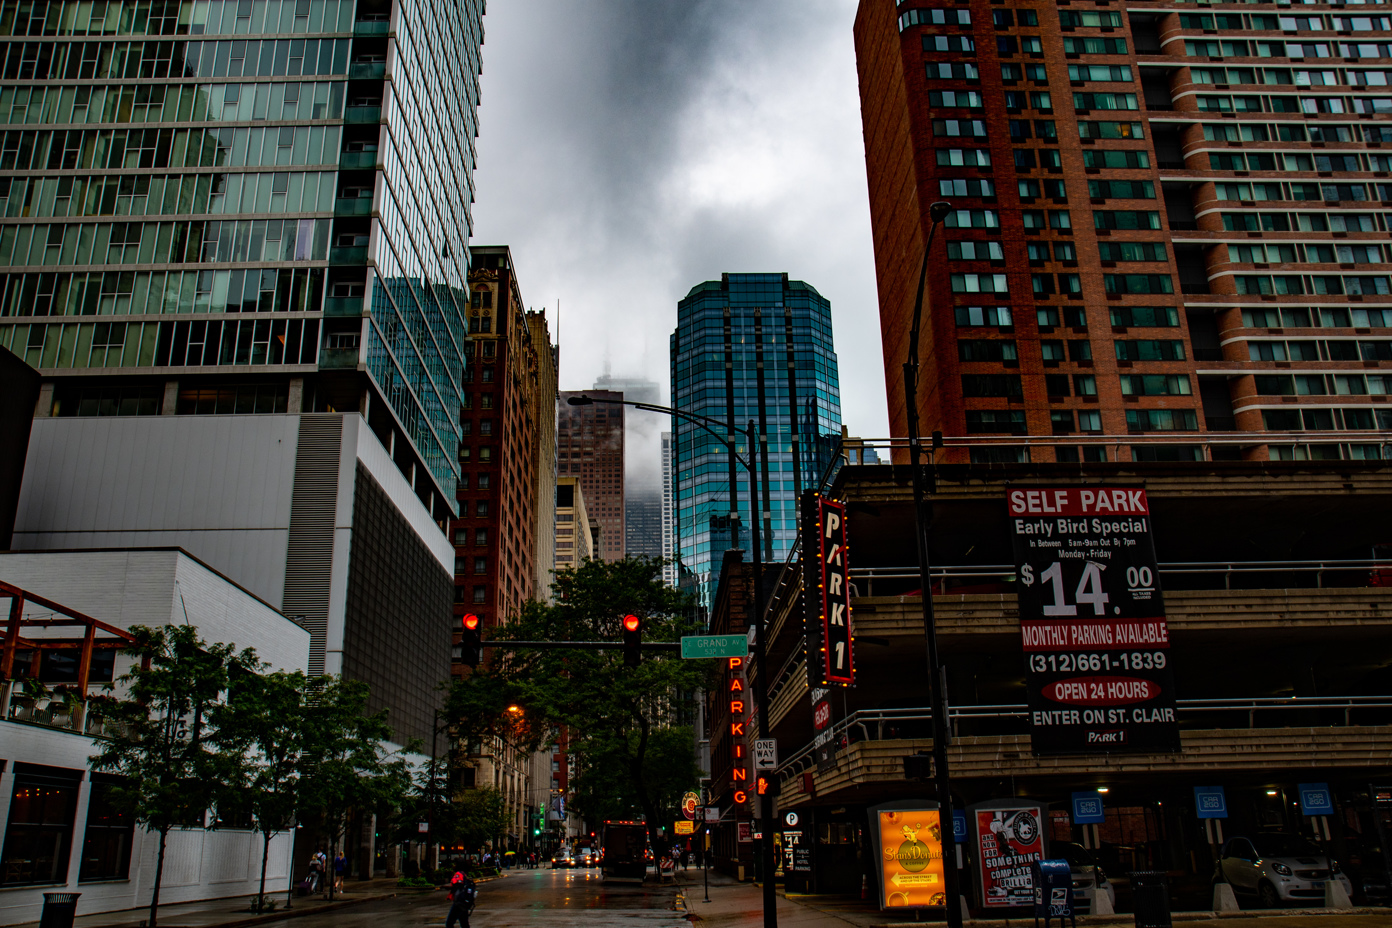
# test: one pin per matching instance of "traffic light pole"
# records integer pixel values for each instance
(936, 677)
(765, 801)
(750, 463)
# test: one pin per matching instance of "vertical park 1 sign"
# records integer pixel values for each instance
(826, 589)
(1092, 621)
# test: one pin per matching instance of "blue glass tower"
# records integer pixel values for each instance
(749, 347)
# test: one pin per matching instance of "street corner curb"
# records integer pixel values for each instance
(302, 912)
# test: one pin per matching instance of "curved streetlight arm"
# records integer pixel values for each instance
(694, 418)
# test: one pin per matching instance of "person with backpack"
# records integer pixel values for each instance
(463, 893)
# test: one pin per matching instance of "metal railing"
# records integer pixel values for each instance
(864, 578)
(872, 723)
(1195, 439)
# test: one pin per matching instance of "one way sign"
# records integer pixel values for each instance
(765, 754)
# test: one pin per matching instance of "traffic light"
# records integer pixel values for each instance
(632, 640)
(471, 644)
(765, 786)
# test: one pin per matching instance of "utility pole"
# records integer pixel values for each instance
(937, 676)
(765, 801)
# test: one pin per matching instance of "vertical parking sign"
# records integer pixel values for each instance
(827, 592)
(1092, 621)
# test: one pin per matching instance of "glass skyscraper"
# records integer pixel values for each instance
(749, 347)
(243, 206)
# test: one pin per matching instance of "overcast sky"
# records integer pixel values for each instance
(630, 149)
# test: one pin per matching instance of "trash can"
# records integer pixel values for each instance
(58, 910)
(1150, 898)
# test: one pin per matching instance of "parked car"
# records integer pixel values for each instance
(1278, 869)
(563, 860)
(1088, 877)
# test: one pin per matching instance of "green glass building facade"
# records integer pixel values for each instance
(749, 347)
(243, 206)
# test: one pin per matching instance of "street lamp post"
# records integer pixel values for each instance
(750, 464)
(937, 683)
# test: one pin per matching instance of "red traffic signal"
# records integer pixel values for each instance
(471, 641)
(632, 640)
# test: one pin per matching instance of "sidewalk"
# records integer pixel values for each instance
(734, 903)
(232, 911)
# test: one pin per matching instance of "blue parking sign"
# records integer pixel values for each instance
(1210, 802)
(1315, 799)
(1087, 809)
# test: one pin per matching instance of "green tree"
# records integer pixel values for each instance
(622, 721)
(477, 816)
(264, 720)
(169, 756)
(345, 764)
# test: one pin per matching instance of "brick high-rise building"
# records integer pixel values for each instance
(507, 421)
(1164, 221)
(590, 445)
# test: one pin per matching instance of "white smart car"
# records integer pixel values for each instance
(1278, 869)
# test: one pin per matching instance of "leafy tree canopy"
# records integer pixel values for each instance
(623, 723)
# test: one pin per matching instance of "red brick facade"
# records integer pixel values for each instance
(495, 533)
(1096, 223)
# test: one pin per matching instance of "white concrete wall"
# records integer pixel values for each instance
(198, 864)
(160, 587)
(216, 486)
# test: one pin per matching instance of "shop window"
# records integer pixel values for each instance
(38, 839)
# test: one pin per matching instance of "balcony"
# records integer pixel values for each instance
(343, 306)
(337, 359)
(356, 254)
(372, 27)
(362, 115)
(353, 206)
(367, 70)
(357, 161)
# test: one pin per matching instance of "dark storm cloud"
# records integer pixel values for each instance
(630, 149)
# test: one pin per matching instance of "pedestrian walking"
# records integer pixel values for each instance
(316, 873)
(462, 893)
(340, 869)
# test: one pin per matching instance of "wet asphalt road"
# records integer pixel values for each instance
(522, 898)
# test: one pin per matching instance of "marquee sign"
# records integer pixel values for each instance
(827, 592)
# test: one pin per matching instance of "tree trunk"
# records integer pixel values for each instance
(159, 875)
(265, 852)
(640, 786)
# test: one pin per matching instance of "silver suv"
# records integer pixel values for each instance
(1278, 869)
